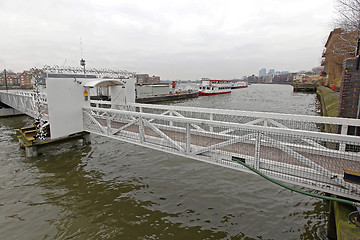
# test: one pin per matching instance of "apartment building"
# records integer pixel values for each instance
(23, 79)
(338, 48)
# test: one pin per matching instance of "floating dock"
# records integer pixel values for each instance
(168, 97)
(305, 87)
(27, 140)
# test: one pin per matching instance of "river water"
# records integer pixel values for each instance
(116, 190)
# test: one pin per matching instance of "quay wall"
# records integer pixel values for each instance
(329, 102)
(343, 104)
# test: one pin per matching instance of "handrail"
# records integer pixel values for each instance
(303, 133)
(278, 116)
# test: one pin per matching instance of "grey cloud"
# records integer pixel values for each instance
(181, 40)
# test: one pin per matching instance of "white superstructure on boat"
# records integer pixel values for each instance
(214, 87)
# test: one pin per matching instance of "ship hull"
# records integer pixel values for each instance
(239, 87)
(212, 93)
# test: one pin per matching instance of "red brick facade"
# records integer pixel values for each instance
(145, 78)
(334, 55)
(23, 79)
(350, 92)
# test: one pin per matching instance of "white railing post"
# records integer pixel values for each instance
(257, 151)
(108, 123)
(265, 122)
(141, 127)
(141, 130)
(188, 138)
(344, 130)
(171, 122)
(211, 128)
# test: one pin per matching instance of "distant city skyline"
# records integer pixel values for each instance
(175, 40)
(263, 72)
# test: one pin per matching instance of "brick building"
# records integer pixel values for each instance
(350, 92)
(338, 48)
(12, 79)
(144, 78)
(24, 79)
(283, 78)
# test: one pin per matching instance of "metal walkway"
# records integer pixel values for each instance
(285, 147)
(26, 102)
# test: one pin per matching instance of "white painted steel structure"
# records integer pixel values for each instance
(25, 102)
(286, 147)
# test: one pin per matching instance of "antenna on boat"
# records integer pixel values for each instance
(82, 61)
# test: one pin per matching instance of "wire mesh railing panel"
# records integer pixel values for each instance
(217, 146)
(309, 160)
(232, 118)
(299, 122)
(160, 133)
(192, 114)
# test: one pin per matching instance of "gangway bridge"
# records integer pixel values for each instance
(286, 147)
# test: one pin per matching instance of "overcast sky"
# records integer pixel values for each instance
(179, 39)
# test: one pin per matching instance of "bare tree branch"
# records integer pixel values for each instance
(349, 22)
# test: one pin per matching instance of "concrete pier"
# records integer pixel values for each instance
(339, 227)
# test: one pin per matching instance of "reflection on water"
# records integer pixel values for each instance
(99, 199)
(115, 190)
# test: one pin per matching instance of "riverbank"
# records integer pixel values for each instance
(329, 101)
(338, 224)
(330, 106)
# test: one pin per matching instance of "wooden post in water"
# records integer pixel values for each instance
(86, 138)
(31, 151)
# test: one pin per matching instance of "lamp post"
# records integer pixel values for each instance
(82, 63)
(6, 87)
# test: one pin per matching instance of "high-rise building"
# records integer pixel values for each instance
(271, 72)
(262, 72)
